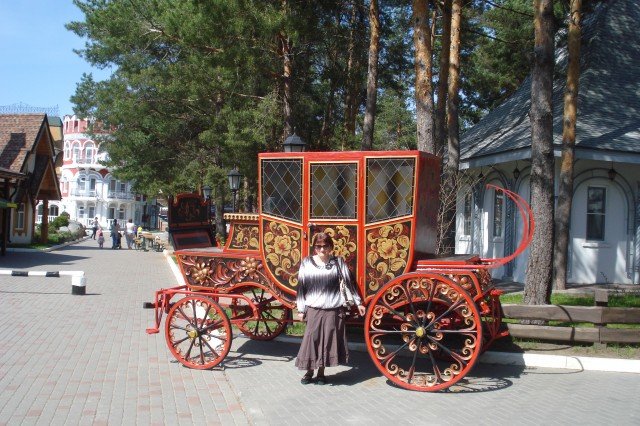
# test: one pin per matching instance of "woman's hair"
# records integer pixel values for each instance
(323, 238)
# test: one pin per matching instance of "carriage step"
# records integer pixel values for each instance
(148, 305)
(152, 330)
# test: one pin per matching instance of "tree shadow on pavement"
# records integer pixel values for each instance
(34, 259)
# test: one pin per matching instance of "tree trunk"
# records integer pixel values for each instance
(565, 187)
(372, 76)
(351, 95)
(453, 130)
(443, 77)
(285, 52)
(453, 96)
(424, 73)
(537, 288)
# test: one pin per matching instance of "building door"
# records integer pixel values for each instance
(599, 241)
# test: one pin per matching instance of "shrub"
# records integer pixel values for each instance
(60, 221)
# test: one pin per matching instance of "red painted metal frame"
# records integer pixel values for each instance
(163, 303)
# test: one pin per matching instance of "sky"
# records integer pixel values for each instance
(37, 64)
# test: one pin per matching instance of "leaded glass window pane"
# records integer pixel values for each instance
(389, 188)
(333, 191)
(282, 188)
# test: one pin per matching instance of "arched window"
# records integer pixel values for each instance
(76, 152)
(67, 149)
(89, 151)
(53, 210)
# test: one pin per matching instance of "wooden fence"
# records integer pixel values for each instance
(600, 316)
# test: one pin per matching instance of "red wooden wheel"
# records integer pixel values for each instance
(272, 314)
(423, 331)
(198, 332)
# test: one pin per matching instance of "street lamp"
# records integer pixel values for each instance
(206, 192)
(234, 184)
(293, 143)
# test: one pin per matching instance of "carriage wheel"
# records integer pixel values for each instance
(198, 332)
(272, 315)
(423, 331)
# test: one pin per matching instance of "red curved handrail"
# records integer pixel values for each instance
(527, 235)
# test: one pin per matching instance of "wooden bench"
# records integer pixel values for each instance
(158, 244)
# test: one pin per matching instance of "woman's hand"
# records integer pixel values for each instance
(301, 316)
(362, 310)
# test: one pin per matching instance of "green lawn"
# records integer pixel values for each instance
(615, 300)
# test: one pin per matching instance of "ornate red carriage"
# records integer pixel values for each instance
(428, 318)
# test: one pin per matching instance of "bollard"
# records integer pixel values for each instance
(78, 281)
(78, 286)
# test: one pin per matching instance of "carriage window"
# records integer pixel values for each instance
(281, 185)
(333, 191)
(389, 188)
(596, 202)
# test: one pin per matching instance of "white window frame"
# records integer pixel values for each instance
(20, 216)
(601, 215)
(498, 214)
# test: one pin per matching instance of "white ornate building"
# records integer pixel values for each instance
(89, 189)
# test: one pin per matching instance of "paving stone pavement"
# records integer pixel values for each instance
(86, 360)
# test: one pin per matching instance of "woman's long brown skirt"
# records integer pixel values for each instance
(325, 340)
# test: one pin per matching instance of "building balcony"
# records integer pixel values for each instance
(121, 195)
(83, 193)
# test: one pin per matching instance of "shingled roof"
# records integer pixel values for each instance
(23, 136)
(18, 134)
(608, 101)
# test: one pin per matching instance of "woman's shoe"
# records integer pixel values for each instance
(321, 380)
(305, 380)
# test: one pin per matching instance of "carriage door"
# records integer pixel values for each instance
(333, 206)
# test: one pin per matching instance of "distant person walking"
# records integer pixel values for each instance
(115, 231)
(130, 233)
(95, 225)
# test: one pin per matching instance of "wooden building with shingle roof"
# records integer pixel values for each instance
(27, 174)
(605, 221)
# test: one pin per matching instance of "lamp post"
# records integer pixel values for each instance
(206, 192)
(235, 177)
(293, 143)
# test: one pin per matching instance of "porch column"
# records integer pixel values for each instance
(44, 227)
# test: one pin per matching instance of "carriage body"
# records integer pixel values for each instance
(381, 210)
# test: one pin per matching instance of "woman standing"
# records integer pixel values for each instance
(320, 304)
